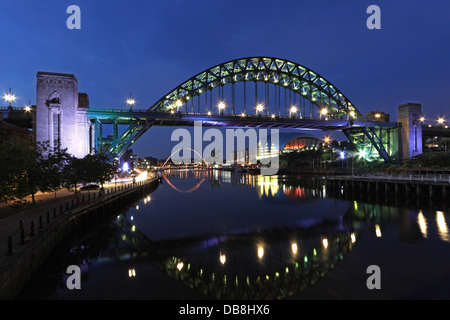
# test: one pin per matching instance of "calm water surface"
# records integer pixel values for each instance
(223, 235)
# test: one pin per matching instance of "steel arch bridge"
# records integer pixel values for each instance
(283, 73)
(272, 93)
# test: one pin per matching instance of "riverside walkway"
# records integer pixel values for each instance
(29, 233)
(419, 185)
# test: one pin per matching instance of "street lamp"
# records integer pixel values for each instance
(324, 112)
(293, 110)
(178, 104)
(221, 107)
(131, 102)
(9, 97)
(259, 108)
(441, 120)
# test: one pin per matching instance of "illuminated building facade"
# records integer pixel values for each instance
(306, 142)
(61, 113)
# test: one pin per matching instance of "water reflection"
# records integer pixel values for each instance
(292, 187)
(257, 266)
(252, 261)
(442, 226)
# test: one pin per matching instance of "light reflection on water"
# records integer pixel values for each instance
(239, 236)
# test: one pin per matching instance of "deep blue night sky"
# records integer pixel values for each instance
(149, 47)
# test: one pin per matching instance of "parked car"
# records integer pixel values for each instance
(90, 187)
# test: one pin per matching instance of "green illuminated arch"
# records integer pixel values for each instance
(280, 72)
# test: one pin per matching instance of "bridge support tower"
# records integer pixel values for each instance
(409, 115)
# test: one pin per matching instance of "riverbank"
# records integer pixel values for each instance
(28, 243)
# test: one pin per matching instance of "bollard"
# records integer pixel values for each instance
(48, 216)
(40, 222)
(22, 236)
(54, 213)
(60, 209)
(67, 206)
(9, 246)
(32, 228)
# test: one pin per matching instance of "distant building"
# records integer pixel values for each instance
(377, 116)
(305, 142)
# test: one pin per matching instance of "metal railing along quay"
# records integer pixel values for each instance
(39, 221)
(422, 178)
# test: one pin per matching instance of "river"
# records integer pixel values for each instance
(224, 235)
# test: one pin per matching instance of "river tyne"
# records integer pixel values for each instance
(224, 235)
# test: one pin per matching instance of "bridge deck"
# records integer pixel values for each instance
(226, 120)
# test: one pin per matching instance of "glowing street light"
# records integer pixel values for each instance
(259, 108)
(131, 101)
(422, 119)
(178, 104)
(221, 106)
(9, 97)
(27, 108)
(441, 120)
(293, 110)
(324, 112)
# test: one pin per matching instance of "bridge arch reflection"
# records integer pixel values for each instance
(271, 266)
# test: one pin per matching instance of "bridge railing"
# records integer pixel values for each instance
(237, 115)
(436, 178)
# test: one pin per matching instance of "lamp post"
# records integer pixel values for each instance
(221, 107)
(131, 102)
(178, 104)
(293, 110)
(259, 108)
(9, 97)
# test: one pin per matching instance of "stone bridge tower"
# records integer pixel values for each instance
(61, 113)
(409, 115)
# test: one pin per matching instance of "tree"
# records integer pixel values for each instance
(72, 173)
(93, 168)
(104, 166)
(53, 165)
(21, 171)
(11, 168)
